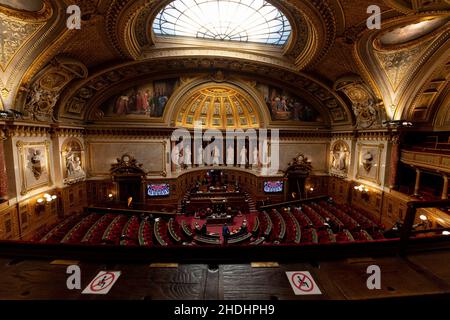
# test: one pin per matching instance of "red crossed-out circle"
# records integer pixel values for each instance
(103, 281)
(303, 279)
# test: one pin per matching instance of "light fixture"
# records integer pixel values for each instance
(446, 233)
(361, 188)
(423, 217)
(311, 189)
(40, 200)
(398, 123)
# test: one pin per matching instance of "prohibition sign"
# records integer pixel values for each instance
(300, 280)
(102, 282)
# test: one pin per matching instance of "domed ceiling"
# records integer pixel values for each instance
(218, 107)
(227, 20)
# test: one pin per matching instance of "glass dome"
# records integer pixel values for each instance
(227, 20)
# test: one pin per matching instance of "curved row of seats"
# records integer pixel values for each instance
(321, 222)
(113, 233)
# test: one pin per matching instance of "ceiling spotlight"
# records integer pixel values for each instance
(423, 217)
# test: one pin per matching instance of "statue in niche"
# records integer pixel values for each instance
(265, 153)
(216, 156)
(73, 164)
(187, 156)
(200, 156)
(340, 155)
(255, 159)
(230, 156)
(176, 157)
(367, 161)
(243, 157)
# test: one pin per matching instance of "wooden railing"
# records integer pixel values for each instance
(407, 228)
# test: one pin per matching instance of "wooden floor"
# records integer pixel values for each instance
(417, 275)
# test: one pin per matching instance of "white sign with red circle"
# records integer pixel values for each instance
(102, 282)
(302, 283)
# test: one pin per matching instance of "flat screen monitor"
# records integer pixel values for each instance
(158, 190)
(273, 186)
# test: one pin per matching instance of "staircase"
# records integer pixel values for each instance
(251, 203)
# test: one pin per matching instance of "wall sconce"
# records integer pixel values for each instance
(425, 223)
(361, 188)
(43, 201)
(398, 123)
(110, 197)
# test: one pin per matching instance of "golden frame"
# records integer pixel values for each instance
(361, 147)
(21, 148)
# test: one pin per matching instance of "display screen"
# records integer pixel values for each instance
(273, 186)
(158, 190)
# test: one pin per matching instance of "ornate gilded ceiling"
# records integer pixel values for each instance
(329, 58)
(219, 107)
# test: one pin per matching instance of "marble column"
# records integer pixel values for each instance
(395, 156)
(417, 185)
(445, 188)
(3, 174)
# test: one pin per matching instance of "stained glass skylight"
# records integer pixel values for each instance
(227, 20)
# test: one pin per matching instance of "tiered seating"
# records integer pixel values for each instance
(76, 234)
(243, 237)
(344, 236)
(348, 221)
(130, 232)
(362, 235)
(326, 236)
(302, 218)
(255, 228)
(309, 236)
(95, 233)
(293, 232)
(317, 220)
(187, 229)
(266, 225)
(160, 232)
(362, 219)
(174, 229)
(279, 226)
(57, 233)
(145, 233)
(330, 218)
(207, 240)
(113, 233)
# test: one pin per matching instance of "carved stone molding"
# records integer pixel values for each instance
(368, 110)
(48, 84)
(79, 100)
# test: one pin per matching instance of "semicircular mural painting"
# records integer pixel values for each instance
(150, 100)
(284, 105)
(144, 101)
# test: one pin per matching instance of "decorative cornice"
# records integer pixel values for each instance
(38, 16)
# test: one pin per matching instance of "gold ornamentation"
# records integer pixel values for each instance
(45, 91)
(13, 36)
(34, 158)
